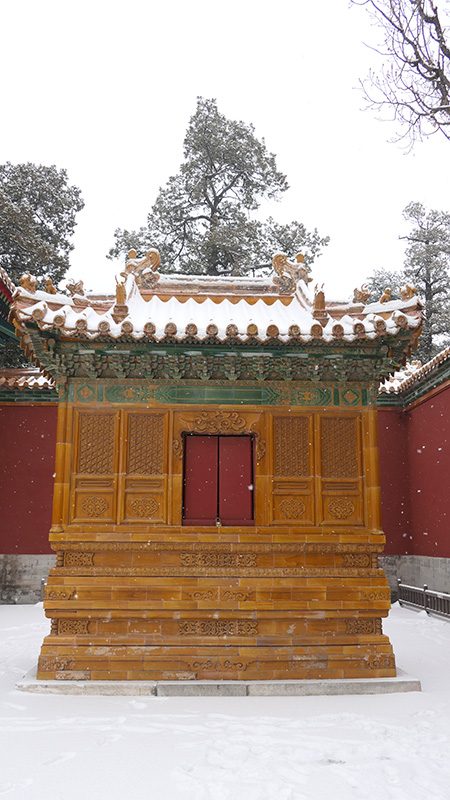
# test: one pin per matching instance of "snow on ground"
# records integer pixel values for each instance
(395, 747)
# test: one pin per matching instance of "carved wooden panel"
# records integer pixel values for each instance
(92, 507)
(293, 508)
(142, 506)
(145, 444)
(291, 447)
(339, 445)
(96, 444)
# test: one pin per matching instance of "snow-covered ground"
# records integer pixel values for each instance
(379, 747)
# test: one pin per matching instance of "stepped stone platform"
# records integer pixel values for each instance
(402, 683)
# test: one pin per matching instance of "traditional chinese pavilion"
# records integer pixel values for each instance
(216, 505)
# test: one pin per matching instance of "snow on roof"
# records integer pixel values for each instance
(219, 307)
(6, 281)
(25, 379)
(411, 374)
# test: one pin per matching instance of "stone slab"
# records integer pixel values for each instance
(402, 683)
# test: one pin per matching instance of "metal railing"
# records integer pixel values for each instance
(432, 602)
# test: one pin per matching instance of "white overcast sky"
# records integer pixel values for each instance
(106, 89)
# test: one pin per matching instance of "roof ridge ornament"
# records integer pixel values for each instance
(361, 295)
(145, 270)
(288, 273)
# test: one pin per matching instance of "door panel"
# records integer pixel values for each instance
(200, 480)
(235, 480)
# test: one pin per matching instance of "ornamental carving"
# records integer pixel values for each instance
(73, 626)
(218, 559)
(292, 509)
(291, 446)
(145, 444)
(236, 596)
(73, 558)
(96, 455)
(339, 447)
(94, 506)
(260, 448)
(219, 422)
(382, 661)
(218, 627)
(53, 594)
(356, 560)
(56, 665)
(177, 447)
(144, 506)
(379, 595)
(363, 627)
(207, 594)
(341, 509)
(217, 665)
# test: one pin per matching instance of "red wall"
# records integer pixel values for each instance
(429, 467)
(394, 481)
(415, 477)
(27, 457)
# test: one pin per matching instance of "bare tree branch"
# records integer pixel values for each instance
(413, 83)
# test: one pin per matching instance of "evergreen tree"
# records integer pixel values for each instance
(383, 279)
(200, 221)
(426, 267)
(37, 219)
(427, 259)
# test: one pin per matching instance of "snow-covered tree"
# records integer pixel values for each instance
(382, 279)
(37, 219)
(427, 268)
(201, 220)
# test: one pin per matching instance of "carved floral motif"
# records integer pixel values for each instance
(73, 626)
(219, 422)
(94, 506)
(207, 594)
(217, 665)
(364, 627)
(144, 506)
(218, 627)
(218, 559)
(73, 558)
(292, 509)
(236, 596)
(356, 560)
(341, 508)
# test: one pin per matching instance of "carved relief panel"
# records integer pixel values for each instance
(94, 474)
(339, 439)
(293, 498)
(145, 485)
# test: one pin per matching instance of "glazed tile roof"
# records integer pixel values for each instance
(183, 307)
(25, 379)
(412, 374)
(7, 282)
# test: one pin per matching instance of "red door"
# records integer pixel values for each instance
(218, 480)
